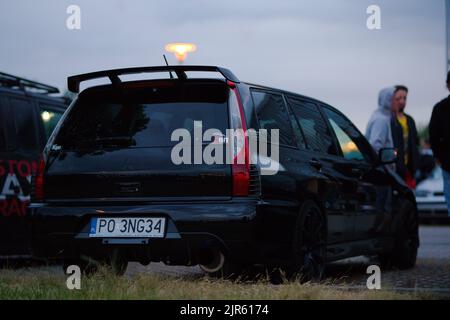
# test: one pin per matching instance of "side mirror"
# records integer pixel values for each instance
(387, 155)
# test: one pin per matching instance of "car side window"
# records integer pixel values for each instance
(297, 130)
(24, 124)
(49, 117)
(272, 114)
(314, 127)
(350, 139)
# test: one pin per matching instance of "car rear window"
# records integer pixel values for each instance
(144, 116)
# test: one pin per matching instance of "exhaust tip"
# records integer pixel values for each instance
(216, 260)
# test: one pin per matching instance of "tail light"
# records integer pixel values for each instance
(39, 180)
(240, 167)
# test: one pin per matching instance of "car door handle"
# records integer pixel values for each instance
(357, 172)
(316, 164)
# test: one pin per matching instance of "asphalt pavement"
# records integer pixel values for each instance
(431, 274)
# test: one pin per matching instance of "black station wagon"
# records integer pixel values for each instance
(108, 190)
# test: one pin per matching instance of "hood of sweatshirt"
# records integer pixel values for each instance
(385, 99)
(378, 131)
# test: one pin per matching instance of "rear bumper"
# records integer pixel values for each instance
(62, 231)
(432, 209)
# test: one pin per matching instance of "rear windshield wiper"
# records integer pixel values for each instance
(76, 144)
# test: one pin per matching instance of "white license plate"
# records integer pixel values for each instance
(127, 227)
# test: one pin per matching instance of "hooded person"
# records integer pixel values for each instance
(379, 133)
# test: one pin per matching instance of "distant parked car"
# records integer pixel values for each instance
(29, 111)
(430, 196)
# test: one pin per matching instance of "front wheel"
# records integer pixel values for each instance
(406, 239)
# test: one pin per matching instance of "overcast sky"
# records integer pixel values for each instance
(317, 48)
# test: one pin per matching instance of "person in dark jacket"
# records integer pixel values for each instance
(440, 139)
(405, 138)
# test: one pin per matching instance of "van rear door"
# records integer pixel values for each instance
(18, 160)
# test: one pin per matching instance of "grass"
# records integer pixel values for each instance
(48, 284)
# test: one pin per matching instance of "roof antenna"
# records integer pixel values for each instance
(170, 72)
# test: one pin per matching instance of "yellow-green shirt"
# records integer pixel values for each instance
(404, 124)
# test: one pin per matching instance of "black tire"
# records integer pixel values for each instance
(117, 263)
(90, 266)
(309, 244)
(87, 267)
(406, 239)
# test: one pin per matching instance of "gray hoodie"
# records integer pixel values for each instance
(378, 130)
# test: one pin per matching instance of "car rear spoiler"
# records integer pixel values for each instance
(73, 82)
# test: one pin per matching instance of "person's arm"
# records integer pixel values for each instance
(435, 131)
(378, 134)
